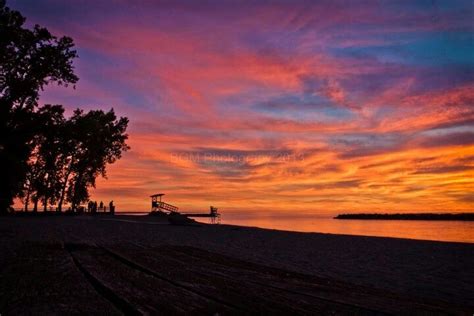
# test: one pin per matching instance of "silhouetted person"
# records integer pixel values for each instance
(112, 207)
(94, 207)
(101, 205)
(89, 206)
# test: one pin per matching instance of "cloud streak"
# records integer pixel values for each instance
(375, 100)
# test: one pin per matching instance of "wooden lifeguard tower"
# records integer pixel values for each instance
(157, 205)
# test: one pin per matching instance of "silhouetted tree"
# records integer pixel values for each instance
(69, 154)
(29, 60)
(99, 139)
(46, 161)
(30, 185)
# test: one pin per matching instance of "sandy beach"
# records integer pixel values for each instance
(143, 265)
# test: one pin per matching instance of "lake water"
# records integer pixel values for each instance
(427, 230)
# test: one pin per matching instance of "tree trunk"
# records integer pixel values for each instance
(74, 195)
(71, 198)
(46, 192)
(27, 198)
(63, 190)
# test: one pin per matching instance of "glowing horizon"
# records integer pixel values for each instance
(316, 107)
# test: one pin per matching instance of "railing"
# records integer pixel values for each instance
(167, 207)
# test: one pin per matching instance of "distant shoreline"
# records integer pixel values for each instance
(410, 216)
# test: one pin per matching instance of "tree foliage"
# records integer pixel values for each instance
(43, 175)
(44, 157)
(29, 60)
(99, 139)
(69, 155)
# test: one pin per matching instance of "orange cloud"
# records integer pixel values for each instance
(313, 106)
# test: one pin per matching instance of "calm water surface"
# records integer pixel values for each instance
(427, 230)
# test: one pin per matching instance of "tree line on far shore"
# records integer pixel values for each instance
(47, 158)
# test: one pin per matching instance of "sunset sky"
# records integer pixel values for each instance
(315, 106)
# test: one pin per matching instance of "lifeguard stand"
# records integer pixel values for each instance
(215, 217)
(157, 205)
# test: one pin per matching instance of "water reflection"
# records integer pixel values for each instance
(428, 230)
